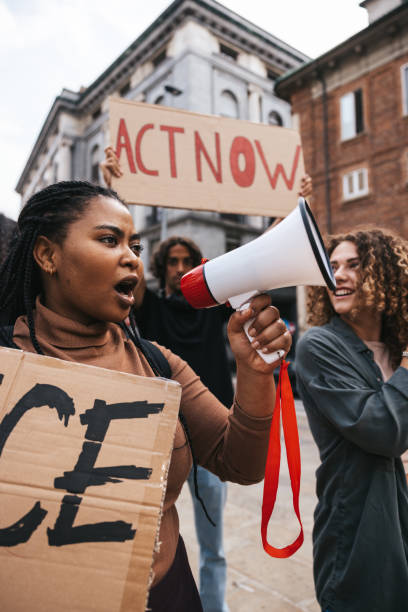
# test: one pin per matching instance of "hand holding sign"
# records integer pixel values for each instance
(185, 160)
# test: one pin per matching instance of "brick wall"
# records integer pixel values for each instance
(382, 148)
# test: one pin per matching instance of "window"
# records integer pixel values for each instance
(233, 217)
(97, 113)
(159, 100)
(229, 105)
(95, 164)
(274, 118)
(404, 87)
(54, 172)
(355, 184)
(272, 75)
(154, 216)
(159, 58)
(228, 52)
(232, 240)
(125, 89)
(351, 114)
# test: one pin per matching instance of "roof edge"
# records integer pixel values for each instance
(285, 83)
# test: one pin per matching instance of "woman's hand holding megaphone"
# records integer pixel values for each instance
(267, 331)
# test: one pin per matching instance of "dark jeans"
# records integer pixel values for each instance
(177, 590)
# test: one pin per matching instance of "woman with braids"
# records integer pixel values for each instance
(353, 378)
(65, 289)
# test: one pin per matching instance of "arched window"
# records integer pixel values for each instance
(229, 105)
(95, 159)
(274, 118)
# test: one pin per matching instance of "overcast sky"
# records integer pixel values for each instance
(46, 45)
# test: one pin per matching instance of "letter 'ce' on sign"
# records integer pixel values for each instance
(185, 160)
(84, 455)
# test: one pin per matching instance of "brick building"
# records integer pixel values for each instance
(351, 105)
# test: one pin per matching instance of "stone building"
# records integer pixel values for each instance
(197, 55)
(352, 108)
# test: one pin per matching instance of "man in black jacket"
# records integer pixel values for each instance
(198, 337)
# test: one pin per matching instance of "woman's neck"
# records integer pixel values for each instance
(366, 325)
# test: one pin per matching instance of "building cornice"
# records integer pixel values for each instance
(210, 221)
(64, 102)
(388, 25)
(216, 18)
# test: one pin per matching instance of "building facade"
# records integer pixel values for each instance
(352, 110)
(197, 56)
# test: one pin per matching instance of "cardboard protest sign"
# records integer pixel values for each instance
(84, 455)
(180, 159)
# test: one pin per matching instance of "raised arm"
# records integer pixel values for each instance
(110, 166)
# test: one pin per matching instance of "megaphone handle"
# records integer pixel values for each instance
(268, 357)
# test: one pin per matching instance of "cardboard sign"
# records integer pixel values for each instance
(179, 159)
(84, 455)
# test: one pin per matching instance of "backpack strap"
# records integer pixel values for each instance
(6, 336)
(158, 363)
(154, 354)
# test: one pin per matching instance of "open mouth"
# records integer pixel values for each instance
(125, 288)
(343, 292)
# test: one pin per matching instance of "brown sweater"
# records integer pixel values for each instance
(231, 444)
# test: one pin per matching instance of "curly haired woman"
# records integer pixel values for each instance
(352, 372)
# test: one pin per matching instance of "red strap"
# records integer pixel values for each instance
(284, 401)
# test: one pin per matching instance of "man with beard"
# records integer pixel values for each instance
(198, 337)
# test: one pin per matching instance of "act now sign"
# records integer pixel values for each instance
(179, 159)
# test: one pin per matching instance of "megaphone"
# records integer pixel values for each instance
(290, 254)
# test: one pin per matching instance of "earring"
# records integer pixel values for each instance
(50, 271)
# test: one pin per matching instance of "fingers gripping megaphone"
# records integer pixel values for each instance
(290, 254)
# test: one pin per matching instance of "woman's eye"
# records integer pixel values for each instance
(111, 240)
(137, 248)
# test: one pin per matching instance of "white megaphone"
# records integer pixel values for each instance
(290, 254)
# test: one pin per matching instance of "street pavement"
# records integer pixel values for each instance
(255, 580)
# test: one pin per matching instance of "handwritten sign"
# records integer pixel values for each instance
(185, 160)
(84, 454)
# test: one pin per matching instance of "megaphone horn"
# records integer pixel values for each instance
(290, 254)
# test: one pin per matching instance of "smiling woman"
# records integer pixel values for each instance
(65, 290)
(352, 370)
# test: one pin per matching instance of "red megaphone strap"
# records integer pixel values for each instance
(285, 403)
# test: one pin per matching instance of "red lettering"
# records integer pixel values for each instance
(141, 133)
(123, 142)
(242, 146)
(200, 148)
(279, 168)
(171, 129)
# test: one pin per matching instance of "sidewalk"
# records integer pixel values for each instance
(255, 580)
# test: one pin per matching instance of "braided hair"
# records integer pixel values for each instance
(48, 213)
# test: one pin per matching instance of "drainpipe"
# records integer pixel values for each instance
(326, 152)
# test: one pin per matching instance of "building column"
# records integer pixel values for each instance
(301, 299)
(65, 159)
(254, 103)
